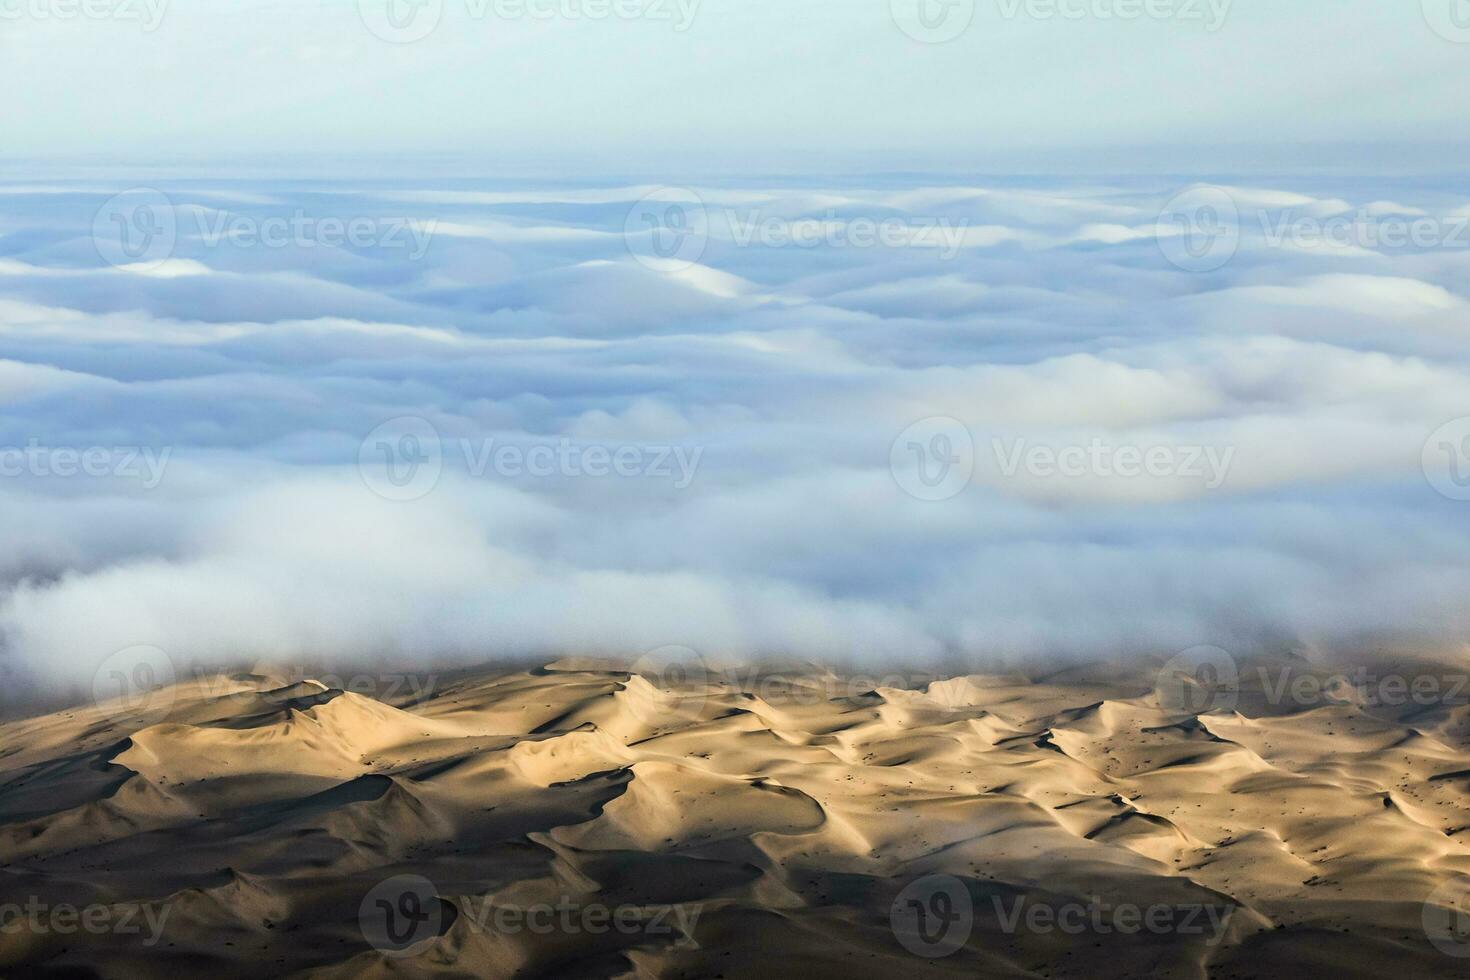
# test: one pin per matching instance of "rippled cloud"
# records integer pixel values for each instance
(873, 421)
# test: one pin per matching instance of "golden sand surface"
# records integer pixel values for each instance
(580, 820)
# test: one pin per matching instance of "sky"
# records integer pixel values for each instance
(524, 87)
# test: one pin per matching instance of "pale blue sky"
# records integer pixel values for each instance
(767, 85)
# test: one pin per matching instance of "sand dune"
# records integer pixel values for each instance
(581, 820)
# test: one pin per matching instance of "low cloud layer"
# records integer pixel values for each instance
(875, 421)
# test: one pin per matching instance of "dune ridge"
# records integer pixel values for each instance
(769, 822)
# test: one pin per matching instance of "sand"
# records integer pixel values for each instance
(579, 820)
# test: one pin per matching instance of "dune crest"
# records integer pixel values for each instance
(765, 822)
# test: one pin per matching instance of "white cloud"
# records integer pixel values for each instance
(792, 371)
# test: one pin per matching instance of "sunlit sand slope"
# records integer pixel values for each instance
(581, 821)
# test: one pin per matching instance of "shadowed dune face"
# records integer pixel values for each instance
(581, 820)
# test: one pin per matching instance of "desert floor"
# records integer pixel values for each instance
(579, 820)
